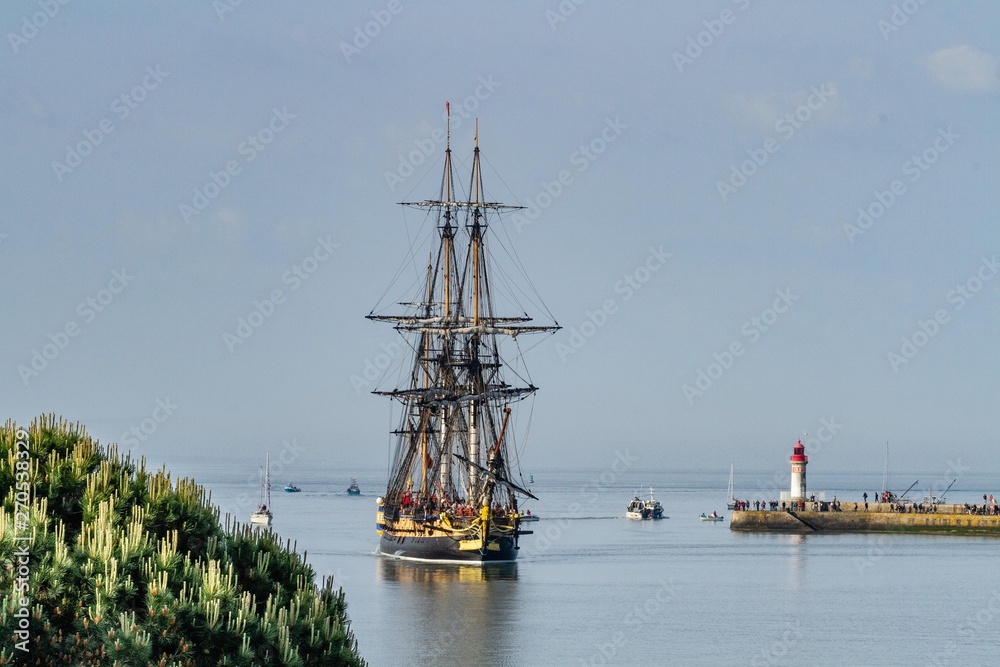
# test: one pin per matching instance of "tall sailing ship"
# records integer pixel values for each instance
(454, 482)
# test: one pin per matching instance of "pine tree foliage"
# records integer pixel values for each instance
(129, 567)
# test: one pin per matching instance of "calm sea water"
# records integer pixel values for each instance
(592, 588)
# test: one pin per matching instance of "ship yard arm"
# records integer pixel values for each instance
(437, 396)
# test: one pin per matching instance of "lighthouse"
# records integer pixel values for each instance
(798, 460)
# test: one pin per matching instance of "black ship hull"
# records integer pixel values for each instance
(445, 550)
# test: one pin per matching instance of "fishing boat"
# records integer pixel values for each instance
(730, 499)
(931, 499)
(263, 514)
(711, 517)
(454, 484)
(354, 489)
(639, 508)
(291, 488)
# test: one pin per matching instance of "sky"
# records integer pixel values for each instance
(755, 222)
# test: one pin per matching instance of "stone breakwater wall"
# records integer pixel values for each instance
(851, 521)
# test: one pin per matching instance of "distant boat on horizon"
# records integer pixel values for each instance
(354, 489)
(263, 516)
(291, 488)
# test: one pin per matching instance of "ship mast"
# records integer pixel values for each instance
(474, 369)
(447, 238)
(422, 352)
(457, 394)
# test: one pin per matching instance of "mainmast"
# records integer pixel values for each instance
(447, 238)
(474, 368)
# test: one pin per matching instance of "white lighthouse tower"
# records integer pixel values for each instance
(799, 461)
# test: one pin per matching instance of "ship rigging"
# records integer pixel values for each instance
(454, 484)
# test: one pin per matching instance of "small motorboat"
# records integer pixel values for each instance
(711, 517)
(528, 516)
(354, 489)
(291, 488)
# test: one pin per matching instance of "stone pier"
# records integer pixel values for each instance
(879, 518)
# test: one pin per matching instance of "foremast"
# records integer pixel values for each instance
(452, 444)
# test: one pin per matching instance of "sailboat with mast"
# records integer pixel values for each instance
(263, 514)
(730, 499)
(454, 481)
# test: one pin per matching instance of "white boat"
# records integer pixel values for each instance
(711, 517)
(636, 509)
(931, 499)
(644, 509)
(529, 517)
(730, 500)
(263, 516)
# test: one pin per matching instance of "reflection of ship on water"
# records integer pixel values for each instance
(398, 571)
(458, 606)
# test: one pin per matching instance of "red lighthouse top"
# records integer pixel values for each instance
(799, 454)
